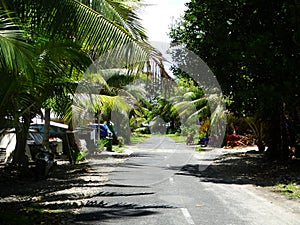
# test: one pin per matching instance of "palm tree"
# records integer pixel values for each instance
(196, 109)
(98, 26)
(15, 65)
(59, 65)
(98, 99)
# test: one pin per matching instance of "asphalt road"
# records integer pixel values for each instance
(152, 188)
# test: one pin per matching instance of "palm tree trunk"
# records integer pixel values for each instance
(73, 149)
(46, 127)
(22, 129)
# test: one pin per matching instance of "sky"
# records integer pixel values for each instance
(158, 15)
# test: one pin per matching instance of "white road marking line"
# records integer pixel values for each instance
(187, 216)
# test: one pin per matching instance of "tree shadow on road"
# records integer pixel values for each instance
(102, 211)
(245, 168)
(25, 200)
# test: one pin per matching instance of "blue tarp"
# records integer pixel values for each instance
(104, 130)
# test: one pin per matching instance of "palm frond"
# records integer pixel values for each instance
(189, 95)
(201, 113)
(122, 14)
(61, 55)
(138, 91)
(15, 53)
(72, 20)
(218, 116)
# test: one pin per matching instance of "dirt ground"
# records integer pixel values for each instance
(26, 200)
(251, 167)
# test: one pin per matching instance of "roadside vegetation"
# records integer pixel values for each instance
(253, 49)
(138, 138)
(291, 190)
(177, 138)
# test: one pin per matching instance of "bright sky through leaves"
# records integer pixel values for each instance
(158, 15)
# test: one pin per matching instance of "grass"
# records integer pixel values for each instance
(182, 139)
(199, 149)
(138, 138)
(118, 149)
(177, 138)
(291, 190)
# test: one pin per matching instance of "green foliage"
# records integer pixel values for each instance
(15, 61)
(121, 141)
(253, 49)
(191, 105)
(198, 149)
(257, 127)
(121, 12)
(65, 36)
(101, 143)
(118, 149)
(249, 46)
(291, 190)
(81, 156)
(15, 53)
(88, 26)
(177, 137)
(138, 137)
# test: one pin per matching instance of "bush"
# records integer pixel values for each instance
(101, 143)
(198, 149)
(81, 156)
(121, 141)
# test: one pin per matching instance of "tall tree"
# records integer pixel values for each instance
(253, 49)
(15, 83)
(114, 31)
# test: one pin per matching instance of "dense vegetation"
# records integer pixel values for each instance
(253, 48)
(46, 46)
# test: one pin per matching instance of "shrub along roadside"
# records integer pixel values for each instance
(291, 190)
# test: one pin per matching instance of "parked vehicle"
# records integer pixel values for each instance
(42, 157)
(34, 142)
(8, 143)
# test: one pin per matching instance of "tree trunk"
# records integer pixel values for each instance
(278, 146)
(73, 149)
(261, 146)
(46, 127)
(22, 128)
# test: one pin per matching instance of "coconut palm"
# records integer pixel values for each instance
(15, 65)
(198, 109)
(121, 12)
(104, 28)
(59, 65)
(97, 101)
(98, 27)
